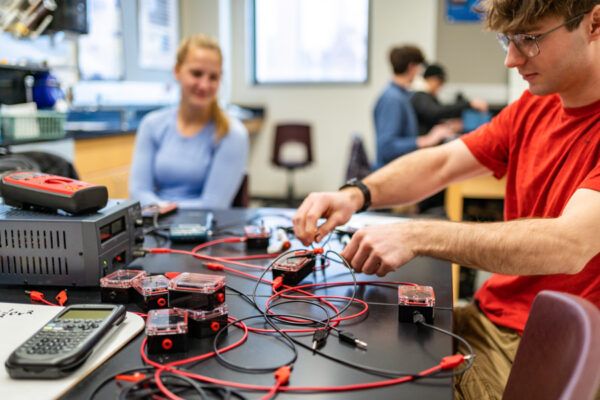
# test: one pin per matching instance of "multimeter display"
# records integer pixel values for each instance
(85, 314)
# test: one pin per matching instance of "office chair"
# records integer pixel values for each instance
(242, 197)
(38, 161)
(286, 134)
(559, 353)
(358, 163)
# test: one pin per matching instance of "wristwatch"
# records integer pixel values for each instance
(363, 188)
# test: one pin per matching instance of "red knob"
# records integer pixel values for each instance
(221, 297)
(161, 302)
(215, 326)
(167, 344)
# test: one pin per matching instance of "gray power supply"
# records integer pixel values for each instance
(39, 248)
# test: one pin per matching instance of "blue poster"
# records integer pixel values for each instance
(458, 11)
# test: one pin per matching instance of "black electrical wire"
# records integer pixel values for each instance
(371, 370)
(284, 338)
(110, 379)
(282, 255)
(275, 316)
(190, 384)
(310, 321)
(460, 339)
(139, 392)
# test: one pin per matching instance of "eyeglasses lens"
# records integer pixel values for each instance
(525, 44)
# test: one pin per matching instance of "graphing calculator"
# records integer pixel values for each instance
(26, 189)
(64, 342)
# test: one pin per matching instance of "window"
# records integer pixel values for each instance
(310, 41)
(101, 50)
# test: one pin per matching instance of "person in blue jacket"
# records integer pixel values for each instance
(193, 153)
(396, 124)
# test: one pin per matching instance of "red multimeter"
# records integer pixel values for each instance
(36, 189)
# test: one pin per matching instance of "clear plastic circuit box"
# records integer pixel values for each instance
(413, 300)
(293, 269)
(203, 283)
(116, 287)
(205, 323)
(153, 291)
(416, 295)
(257, 236)
(167, 321)
(122, 278)
(202, 315)
(151, 285)
(292, 264)
(167, 330)
(194, 291)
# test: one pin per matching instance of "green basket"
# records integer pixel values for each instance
(42, 125)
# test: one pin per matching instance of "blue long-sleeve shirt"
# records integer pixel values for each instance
(195, 172)
(396, 125)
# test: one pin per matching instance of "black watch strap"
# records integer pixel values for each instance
(363, 188)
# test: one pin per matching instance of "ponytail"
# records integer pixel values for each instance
(220, 118)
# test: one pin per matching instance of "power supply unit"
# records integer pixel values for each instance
(59, 249)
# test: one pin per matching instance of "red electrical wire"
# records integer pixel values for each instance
(455, 361)
(202, 257)
(218, 241)
(271, 390)
(39, 296)
(169, 366)
(252, 257)
(287, 288)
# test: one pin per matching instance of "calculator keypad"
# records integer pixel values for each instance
(60, 336)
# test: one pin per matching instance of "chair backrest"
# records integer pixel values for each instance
(242, 197)
(358, 163)
(559, 353)
(292, 133)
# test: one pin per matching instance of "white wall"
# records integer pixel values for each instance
(335, 112)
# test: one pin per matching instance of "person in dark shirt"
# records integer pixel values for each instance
(395, 120)
(431, 112)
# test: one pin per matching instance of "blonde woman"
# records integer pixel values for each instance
(192, 154)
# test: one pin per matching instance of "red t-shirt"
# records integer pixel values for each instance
(547, 152)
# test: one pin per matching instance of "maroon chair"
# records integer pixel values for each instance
(242, 197)
(559, 353)
(284, 135)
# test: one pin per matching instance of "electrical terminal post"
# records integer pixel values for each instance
(350, 338)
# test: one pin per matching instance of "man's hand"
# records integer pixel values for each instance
(479, 105)
(379, 249)
(437, 134)
(455, 124)
(336, 207)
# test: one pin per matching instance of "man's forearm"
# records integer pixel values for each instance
(520, 247)
(421, 173)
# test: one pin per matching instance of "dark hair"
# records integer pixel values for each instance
(401, 57)
(435, 70)
(513, 16)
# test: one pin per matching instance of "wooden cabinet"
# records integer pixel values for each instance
(106, 161)
(483, 187)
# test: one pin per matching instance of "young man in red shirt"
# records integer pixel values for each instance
(547, 144)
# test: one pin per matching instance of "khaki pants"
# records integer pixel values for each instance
(495, 348)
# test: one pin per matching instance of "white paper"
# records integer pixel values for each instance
(19, 321)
